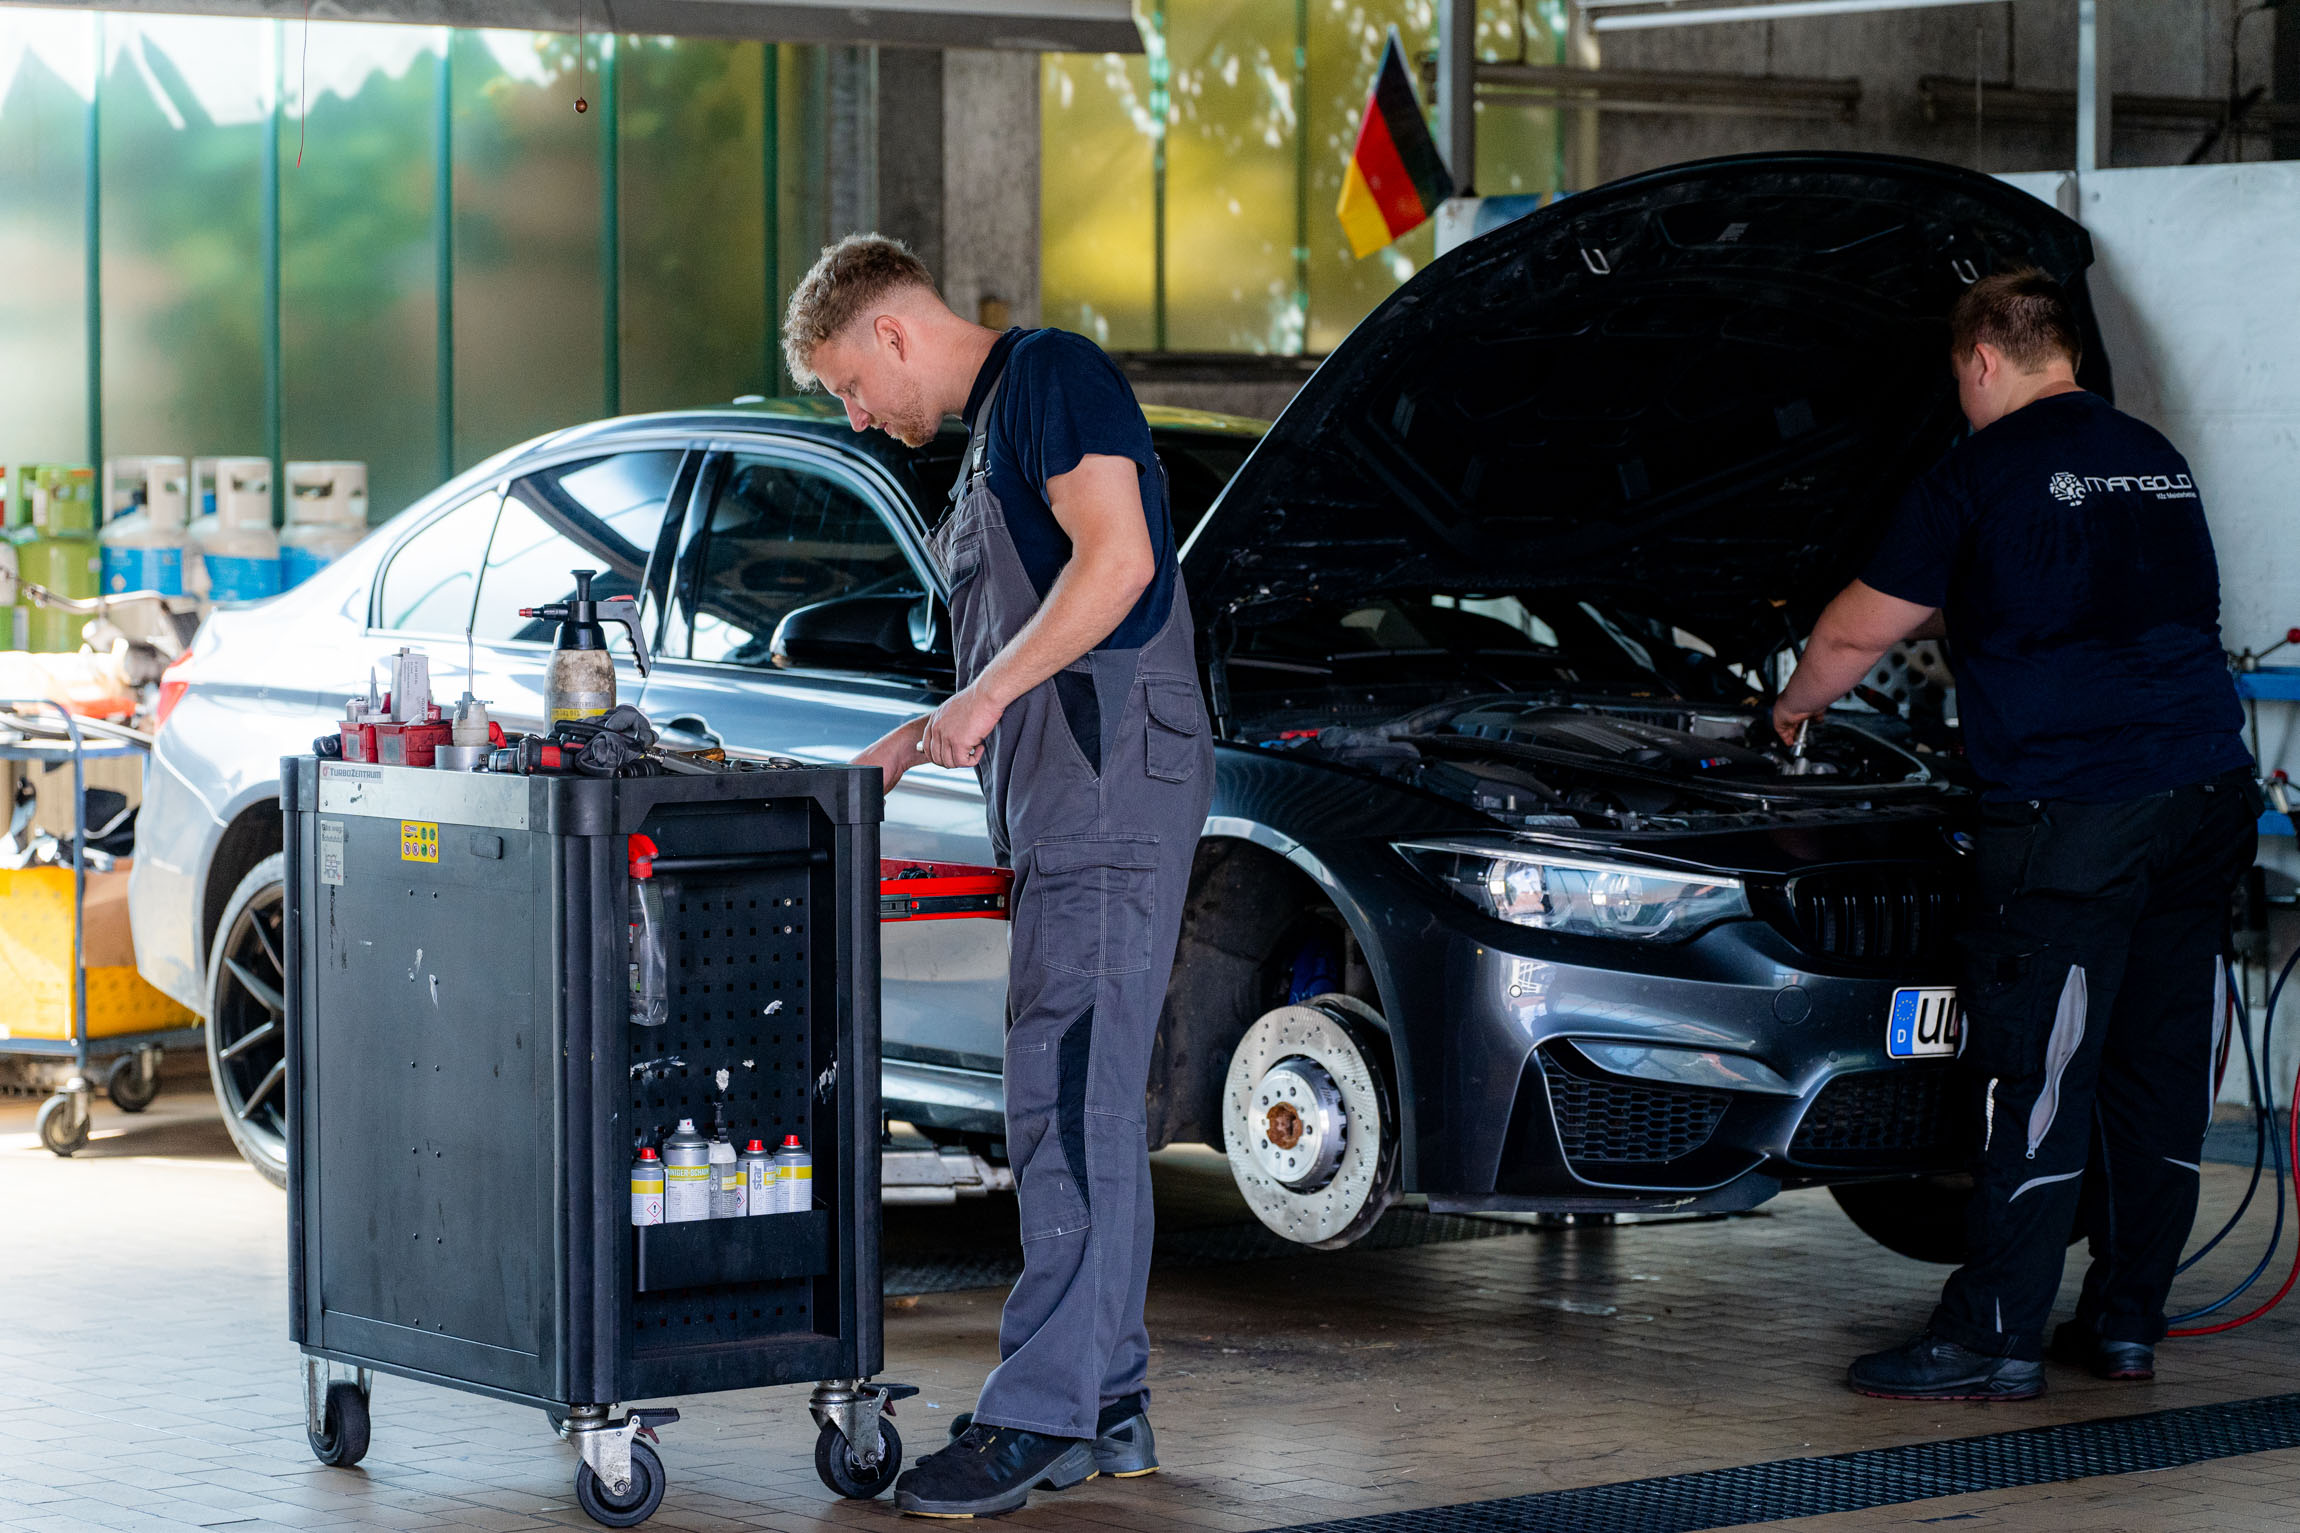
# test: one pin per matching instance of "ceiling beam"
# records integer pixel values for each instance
(1049, 26)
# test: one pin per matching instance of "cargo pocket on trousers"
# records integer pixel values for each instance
(2011, 994)
(1097, 901)
(1175, 720)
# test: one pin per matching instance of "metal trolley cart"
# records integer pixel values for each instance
(466, 1091)
(53, 1012)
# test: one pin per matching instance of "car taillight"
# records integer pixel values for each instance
(174, 681)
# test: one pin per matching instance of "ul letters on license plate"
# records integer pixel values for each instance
(1924, 1024)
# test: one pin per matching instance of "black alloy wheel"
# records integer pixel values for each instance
(247, 1019)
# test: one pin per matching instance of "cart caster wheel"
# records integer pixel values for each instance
(841, 1473)
(61, 1130)
(636, 1504)
(122, 1086)
(561, 1427)
(343, 1443)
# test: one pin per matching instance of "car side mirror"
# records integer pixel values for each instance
(900, 632)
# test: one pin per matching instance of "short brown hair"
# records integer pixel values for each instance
(2022, 313)
(845, 282)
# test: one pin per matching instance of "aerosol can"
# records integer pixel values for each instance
(686, 1175)
(726, 1176)
(761, 1188)
(647, 1187)
(795, 1176)
(580, 680)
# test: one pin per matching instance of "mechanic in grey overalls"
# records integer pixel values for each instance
(1096, 766)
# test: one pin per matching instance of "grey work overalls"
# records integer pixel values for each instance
(1096, 783)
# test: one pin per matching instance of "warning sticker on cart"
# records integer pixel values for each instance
(418, 841)
(331, 851)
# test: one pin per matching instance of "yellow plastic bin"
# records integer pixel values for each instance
(36, 960)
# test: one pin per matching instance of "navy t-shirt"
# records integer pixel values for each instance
(1061, 400)
(2067, 547)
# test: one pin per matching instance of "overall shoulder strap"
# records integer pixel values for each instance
(976, 463)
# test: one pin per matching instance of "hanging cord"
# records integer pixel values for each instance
(2280, 1145)
(581, 105)
(303, 86)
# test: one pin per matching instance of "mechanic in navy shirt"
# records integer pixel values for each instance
(1078, 707)
(2065, 546)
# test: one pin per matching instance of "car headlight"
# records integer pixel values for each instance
(1582, 897)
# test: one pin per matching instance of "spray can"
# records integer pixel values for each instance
(650, 940)
(647, 1187)
(794, 1177)
(238, 553)
(686, 1175)
(326, 516)
(726, 1176)
(762, 1190)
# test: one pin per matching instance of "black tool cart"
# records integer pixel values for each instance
(467, 1090)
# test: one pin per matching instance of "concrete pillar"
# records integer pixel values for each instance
(910, 152)
(990, 185)
(853, 141)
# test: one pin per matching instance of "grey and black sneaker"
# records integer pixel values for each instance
(1124, 1446)
(1936, 1368)
(2118, 1361)
(987, 1470)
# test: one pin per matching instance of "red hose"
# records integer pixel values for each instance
(2290, 1277)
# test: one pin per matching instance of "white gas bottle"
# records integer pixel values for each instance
(326, 515)
(143, 538)
(236, 551)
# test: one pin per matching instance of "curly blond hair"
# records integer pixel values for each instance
(846, 282)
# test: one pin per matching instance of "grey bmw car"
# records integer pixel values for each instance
(1507, 896)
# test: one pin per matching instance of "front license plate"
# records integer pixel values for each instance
(1925, 1024)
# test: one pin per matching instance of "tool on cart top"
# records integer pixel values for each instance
(579, 680)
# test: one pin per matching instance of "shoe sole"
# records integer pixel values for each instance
(1062, 1474)
(1987, 1399)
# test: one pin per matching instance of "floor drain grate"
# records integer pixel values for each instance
(1851, 1482)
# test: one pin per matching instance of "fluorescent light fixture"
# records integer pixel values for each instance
(1778, 10)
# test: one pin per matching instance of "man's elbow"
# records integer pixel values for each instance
(1131, 572)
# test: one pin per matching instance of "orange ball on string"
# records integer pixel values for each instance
(581, 105)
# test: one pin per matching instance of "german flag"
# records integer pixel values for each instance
(1395, 179)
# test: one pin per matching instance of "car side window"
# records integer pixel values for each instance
(596, 513)
(782, 533)
(427, 586)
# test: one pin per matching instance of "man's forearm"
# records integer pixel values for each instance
(1087, 602)
(1830, 667)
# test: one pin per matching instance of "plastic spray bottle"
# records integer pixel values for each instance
(726, 1176)
(650, 939)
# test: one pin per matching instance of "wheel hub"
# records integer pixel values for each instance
(1302, 1128)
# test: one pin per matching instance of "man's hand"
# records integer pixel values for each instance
(1788, 721)
(954, 732)
(895, 752)
(1852, 635)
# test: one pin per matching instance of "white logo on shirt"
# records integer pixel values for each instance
(2071, 490)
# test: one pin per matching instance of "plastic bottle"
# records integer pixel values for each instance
(650, 940)
(686, 1175)
(326, 516)
(238, 553)
(727, 1201)
(60, 552)
(647, 1187)
(143, 544)
(794, 1177)
(762, 1189)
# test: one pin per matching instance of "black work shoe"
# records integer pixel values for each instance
(988, 1470)
(2103, 1359)
(1123, 1444)
(1935, 1368)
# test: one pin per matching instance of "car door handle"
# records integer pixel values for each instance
(688, 732)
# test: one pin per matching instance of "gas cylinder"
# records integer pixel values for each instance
(579, 681)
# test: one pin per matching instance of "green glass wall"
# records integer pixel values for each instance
(389, 243)
(1187, 199)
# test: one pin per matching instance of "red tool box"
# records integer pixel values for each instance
(942, 891)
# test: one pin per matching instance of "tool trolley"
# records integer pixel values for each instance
(466, 1091)
(60, 1009)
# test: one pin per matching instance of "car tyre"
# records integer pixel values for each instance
(247, 1019)
(1328, 1045)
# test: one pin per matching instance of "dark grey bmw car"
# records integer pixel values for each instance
(1507, 896)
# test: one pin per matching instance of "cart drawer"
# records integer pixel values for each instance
(748, 1250)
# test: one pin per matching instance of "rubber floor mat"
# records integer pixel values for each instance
(1851, 1482)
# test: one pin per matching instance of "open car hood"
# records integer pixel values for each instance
(1695, 393)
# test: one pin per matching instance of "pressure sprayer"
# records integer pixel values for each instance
(580, 680)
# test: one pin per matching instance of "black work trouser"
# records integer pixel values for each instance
(2094, 994)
